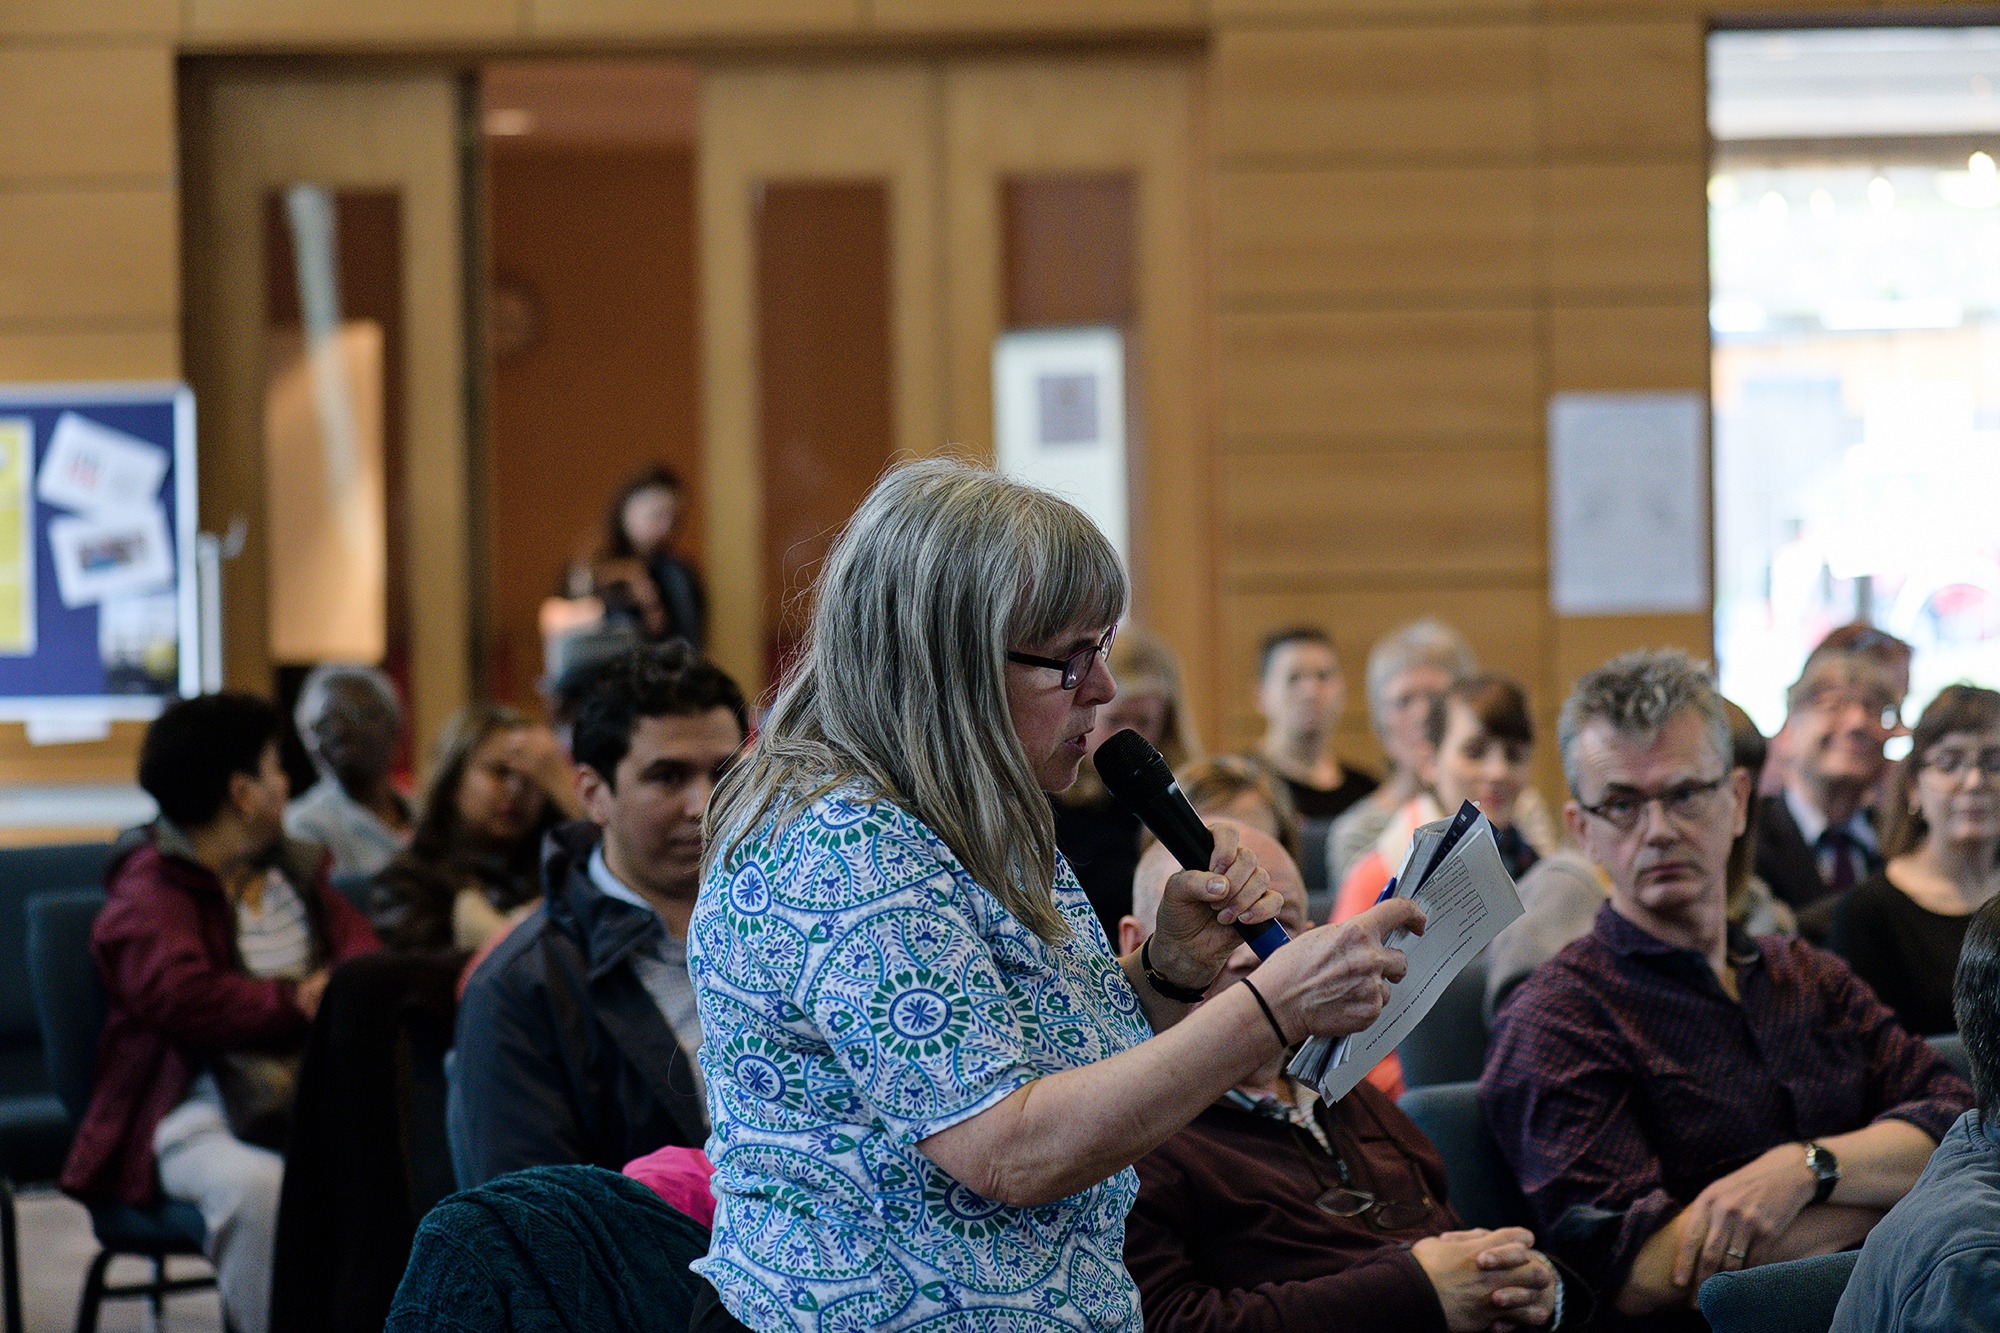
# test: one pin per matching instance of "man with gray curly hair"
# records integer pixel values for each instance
(1677, 1098)
(350, 719)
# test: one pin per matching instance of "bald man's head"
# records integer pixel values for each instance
(1157, 866)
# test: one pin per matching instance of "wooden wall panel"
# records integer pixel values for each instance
(90, 18)
(1628, 228)
(1628, 347)
(1443, 93)
(1380, 375)
(226, 23)
(1616, 89)
(1296, 236)
(1038, 16)
(1331, 11)
(1583, 643)
(625, 19)
(1357, 517)
(79, 254)
(67, 355)
(81, 111)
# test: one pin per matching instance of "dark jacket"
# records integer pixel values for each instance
(165, 947)
(562, 1056)
(1789, 865)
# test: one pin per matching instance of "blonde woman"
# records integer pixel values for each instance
(928, 1074)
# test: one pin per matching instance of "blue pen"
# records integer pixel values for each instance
(1388, 892)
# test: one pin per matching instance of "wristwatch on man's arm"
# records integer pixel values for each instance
(1826, 1171)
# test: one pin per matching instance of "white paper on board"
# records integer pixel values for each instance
(91, 468)
(113, 555)
(1059, 419)
(1628, 503)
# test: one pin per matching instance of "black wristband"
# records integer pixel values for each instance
(1269, 1017)
(1165, 988)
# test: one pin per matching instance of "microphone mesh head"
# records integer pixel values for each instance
(1131, 768)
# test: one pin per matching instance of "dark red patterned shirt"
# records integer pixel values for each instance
(1622, 1080)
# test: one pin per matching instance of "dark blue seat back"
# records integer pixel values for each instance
(25, 872)
(1483, 1189)
(1449, 1046)
(1799, 1296)
(69, 997)
(1952, 1047)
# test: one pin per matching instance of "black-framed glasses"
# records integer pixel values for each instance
(1951, 764)
(1683, 803)
(1074, 667)
(1344, 1199)
(1835, 701)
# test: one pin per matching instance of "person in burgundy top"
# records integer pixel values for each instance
(1677, 1098)
(1275, 1211)
(214, 945)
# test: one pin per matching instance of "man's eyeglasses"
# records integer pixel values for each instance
(1074, 667)
(1953, 763)
(1683, 803)
(1880, 712)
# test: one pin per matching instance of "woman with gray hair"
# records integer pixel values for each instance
(928, 1075)
(350, 719)
(1407, 669)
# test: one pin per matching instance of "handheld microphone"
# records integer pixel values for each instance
(1138, 776)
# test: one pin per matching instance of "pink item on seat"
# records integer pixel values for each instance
(680, 1176)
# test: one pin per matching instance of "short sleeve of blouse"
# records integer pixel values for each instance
(904, 981)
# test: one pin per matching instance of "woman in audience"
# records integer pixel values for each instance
(1235, 787)
(1407, 669)
(1483, 744)
(498, 782)
(1902, 928)
(928, 1074)
(1096, 835)
(634, 574)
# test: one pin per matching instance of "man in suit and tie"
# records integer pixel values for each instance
(1816, 837)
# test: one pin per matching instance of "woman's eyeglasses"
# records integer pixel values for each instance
(1953, 763)
(1074, 667)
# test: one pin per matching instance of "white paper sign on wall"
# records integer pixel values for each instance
(1059, 419)
(1628, 503)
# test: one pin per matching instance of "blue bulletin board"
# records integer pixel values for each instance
(98, 609)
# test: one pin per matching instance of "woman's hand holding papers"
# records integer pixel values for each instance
(1334, 980)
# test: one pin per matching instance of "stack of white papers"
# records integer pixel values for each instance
(1454, 872)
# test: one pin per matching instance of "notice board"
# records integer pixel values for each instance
(98, 611)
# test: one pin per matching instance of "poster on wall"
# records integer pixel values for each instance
(1628, 503)
(1059, 419)
(98, 619)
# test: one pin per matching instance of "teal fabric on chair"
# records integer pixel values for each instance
(1795, 1297)
(1449, 1045)
(34, 1128)
(553, 1249)
(1483, 1189)
(70, 1006)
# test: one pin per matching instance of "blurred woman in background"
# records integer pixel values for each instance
(1902, 928)
(498, 782)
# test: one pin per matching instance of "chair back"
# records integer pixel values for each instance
(1798, 1296)
(25, 872)
(1952, 1047)
(70, 1002)
(1449, 1046)
(1483, 1189)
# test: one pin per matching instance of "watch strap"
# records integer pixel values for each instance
(1826, 1170)
(1163, 987)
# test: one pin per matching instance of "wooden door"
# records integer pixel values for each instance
(388, 145)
